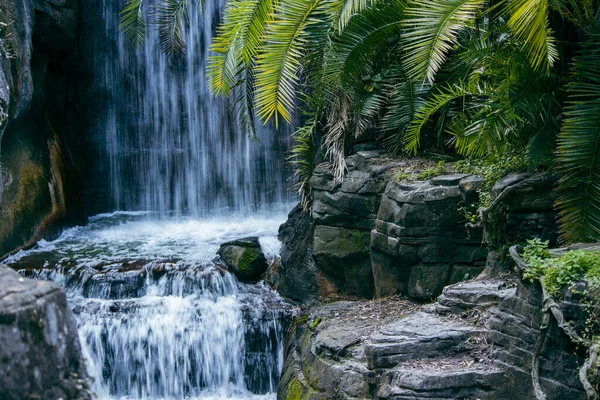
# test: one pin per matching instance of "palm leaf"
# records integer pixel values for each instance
(442, 97)
(530, 25)
(579, 152)
(302, 158)
(344, 10)
(133, 23)
(280, 59)
(237, 42)
(366, 35)
(170, 17)
(432, 28)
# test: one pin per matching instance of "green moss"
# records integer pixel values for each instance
(315, 323)
(301, 320)
(403, 177)
(245, 262)
(294, 390)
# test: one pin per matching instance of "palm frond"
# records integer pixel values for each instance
(338, 120)
(405, 97)
(442, 97)
(237, 42)
(171, 17)
(579, 152)
(344, 10)
(366, 35)
(279, 61)
(432, 28)
(302, 159)
(529, 23)
(133, 22)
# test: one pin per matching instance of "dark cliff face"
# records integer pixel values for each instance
(38, 80)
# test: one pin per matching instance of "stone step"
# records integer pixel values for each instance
(420, 336)
(475, 294)
(446, 379)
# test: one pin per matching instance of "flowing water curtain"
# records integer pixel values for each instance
(170, 144)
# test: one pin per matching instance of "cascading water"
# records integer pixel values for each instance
(170, 144)
(157, 317)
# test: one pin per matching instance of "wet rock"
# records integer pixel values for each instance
(40, 355)
(244, 257)
(297, 272)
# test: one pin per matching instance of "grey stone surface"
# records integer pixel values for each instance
(478, 347)
(244, 257)
(420, 243)
(419, 336)
(297, 272)
(40, 355)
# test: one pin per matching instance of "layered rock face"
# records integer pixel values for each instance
(38, 60)
(371, 235)
(475, 343)
(40, 355)
(524, 209)
(343, 215)
(420, 243)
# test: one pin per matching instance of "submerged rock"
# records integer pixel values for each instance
(40, 354)
(244, 257)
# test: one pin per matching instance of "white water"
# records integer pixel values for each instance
(156, 319)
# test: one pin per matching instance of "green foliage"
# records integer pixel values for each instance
(493, 168)
(314, 324)
(403, 177)
(560, 272)
(133, 22)
(302, 159)
(579, 150)
(431, 172)
(432, 29)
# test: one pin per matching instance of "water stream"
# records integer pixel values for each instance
(157, 318)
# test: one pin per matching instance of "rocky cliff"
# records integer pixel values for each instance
(38, 63)
(410, 240)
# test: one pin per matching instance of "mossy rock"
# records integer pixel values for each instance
(244, 257)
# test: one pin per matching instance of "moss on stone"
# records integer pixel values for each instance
(245, 262)
(315, 323)
(294, 390)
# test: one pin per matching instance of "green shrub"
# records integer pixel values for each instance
(560, 272)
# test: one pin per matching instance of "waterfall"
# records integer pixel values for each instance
(157, 318)
(170, 144)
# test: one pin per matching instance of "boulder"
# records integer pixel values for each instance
(244, 257)
(40, 354)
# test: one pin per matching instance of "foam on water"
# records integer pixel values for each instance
(157, 319)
